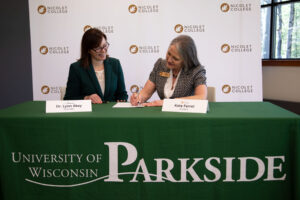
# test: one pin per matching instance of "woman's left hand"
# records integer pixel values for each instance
(154, 103)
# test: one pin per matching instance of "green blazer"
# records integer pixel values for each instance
(83, 82)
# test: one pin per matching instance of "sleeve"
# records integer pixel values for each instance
(73, 85)
(121, 93)
(155, 70)
(200, 76)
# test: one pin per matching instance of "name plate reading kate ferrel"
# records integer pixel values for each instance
(185, 105)
(68, 106)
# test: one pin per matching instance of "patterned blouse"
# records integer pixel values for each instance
(187, 81)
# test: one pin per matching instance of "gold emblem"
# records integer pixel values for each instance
(178, 28)
(132, 9)
(43, 50)
(225, 48)
(45, 89)
(134, 89)
(87, 27)
(226, 89)
(42, 9)
(225, 7)
(164, 74)
(133, 49)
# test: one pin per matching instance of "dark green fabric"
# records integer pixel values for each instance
(256, 129)
(83, 82)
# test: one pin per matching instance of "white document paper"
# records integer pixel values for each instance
(126, 105)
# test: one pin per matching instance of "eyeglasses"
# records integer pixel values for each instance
(98, 49)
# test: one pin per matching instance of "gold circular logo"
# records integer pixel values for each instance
(225, 7)
(42, 9)
(133, 49)
(132, 9)
(178, 28)
(225, 48)
(45, 89)
(134, 89)
(43, 50)
(87, 27)
(226, 89)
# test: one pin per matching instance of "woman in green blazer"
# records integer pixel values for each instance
(96, 76)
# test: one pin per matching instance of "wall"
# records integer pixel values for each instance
(281, 83)
(15, 76)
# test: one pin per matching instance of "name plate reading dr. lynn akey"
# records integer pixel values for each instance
(185, 105)
(68, 106)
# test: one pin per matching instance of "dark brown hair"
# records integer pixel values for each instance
(91, 39)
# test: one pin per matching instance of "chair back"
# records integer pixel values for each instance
(62, 92)
(211, 94)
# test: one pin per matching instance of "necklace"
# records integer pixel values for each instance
(175, 74)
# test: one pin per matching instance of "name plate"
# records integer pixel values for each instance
(68, 106)
(185, 105)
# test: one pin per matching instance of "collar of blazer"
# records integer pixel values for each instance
(107, 71)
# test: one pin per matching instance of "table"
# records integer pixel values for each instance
(241, 150)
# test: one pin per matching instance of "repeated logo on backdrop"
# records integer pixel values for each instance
(225, 48)
(144, 49)
(237, 89)
(45, 89)
(133, 49)
(42, 9)
(236, 7)
(133, 9)
(135, 88)
(44, 50)
(152, 24)
(178, 28)
(189, 28)
(224, 7)
(237, 48)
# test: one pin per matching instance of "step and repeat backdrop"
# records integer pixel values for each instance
(227, 35)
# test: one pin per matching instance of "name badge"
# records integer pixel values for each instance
(185, 105)
(164, 74)
(68, 106)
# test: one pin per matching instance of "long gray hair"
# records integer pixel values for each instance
(187, 50)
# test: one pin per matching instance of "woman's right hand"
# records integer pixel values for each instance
(143, 95)
(134, 99)
(94, 98)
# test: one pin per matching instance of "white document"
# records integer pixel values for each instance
(126, 105)
(185, 105)
(68, 106)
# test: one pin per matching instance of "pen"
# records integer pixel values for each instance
(140, 99)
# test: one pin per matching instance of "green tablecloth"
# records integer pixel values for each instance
(235, 151)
